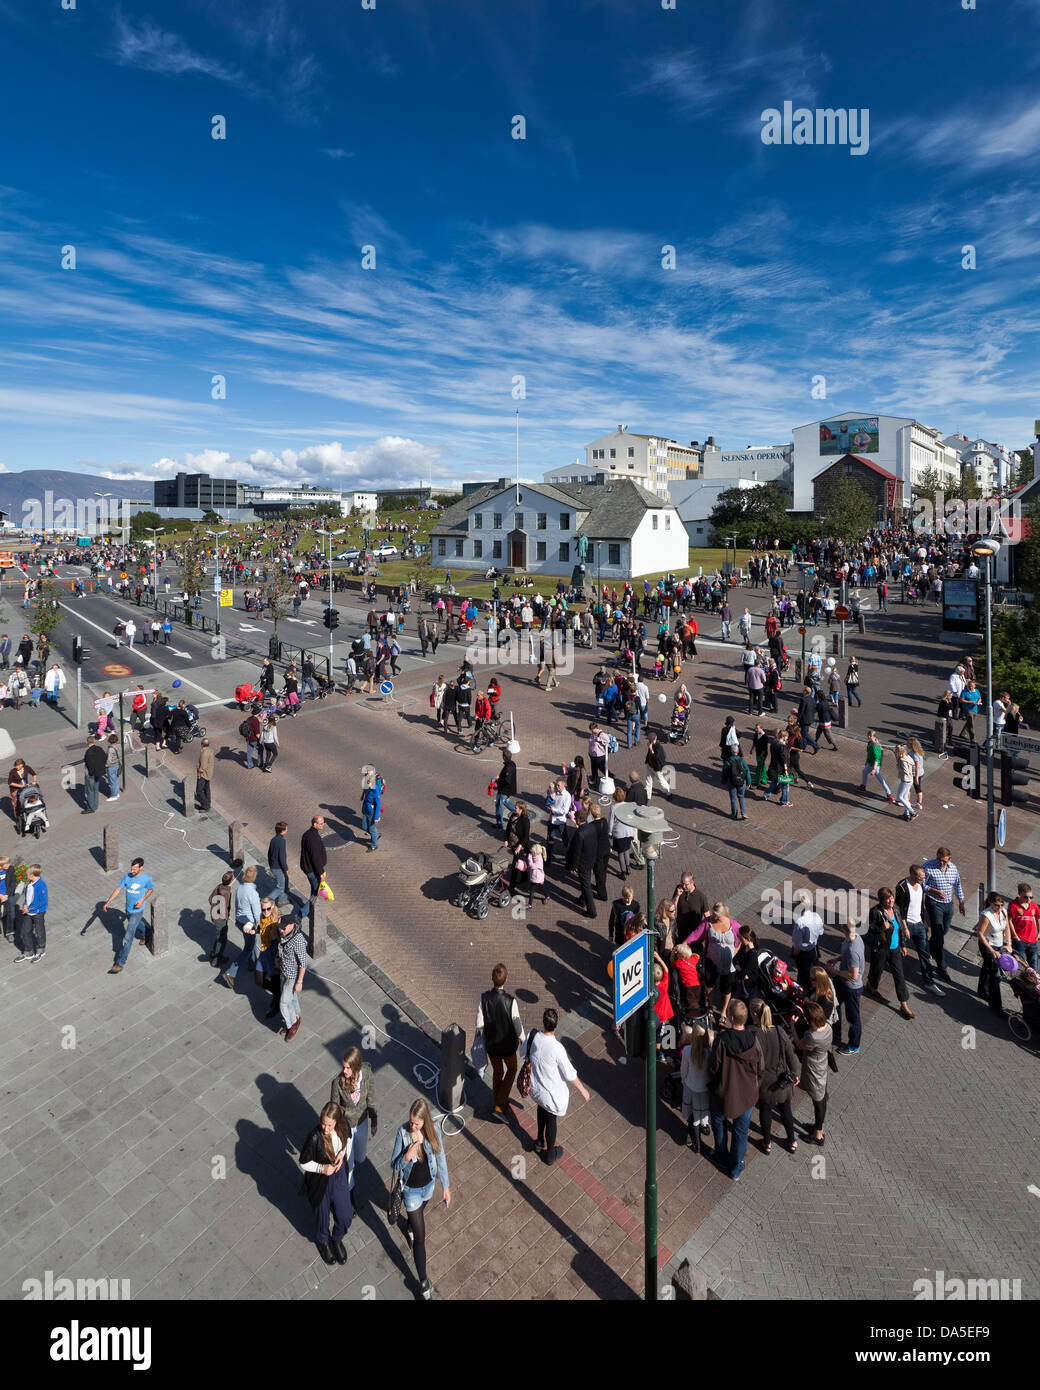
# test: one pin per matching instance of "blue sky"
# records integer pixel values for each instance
(495, 257)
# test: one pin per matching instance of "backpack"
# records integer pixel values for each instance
(244, 730)
(737, 773)
(218, 906)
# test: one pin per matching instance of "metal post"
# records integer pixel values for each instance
(122, 741)
(650, 1194)
(805, 618)
(79, 694)
(331, 658)
(844, 591)
(991, 824)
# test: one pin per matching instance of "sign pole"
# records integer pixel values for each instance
(79, 693)
(650, 1193)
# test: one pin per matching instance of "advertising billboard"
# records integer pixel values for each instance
(839, 437)
(961, 605)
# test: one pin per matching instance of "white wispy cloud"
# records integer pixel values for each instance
(143, 44)
(973, 141)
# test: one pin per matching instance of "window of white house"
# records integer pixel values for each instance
(565, 519)
(478, 549)
(667, 521)
(631, 452)
(613, 453)
(655, 521)
(458, 548)
(613, 554)
(539, 550)
(519, 522)
(542, 522)
(441, 548)
(478, 521)
(631, 465)
(498, 522)
(496, 550)
(565, 551)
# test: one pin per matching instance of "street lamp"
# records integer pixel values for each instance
(651, 826)
(216, 573)
(987, 548)
(321, 532)
(103, 495)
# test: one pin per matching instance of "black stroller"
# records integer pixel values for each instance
(679, 732)
(768, 978)
(1025, 1025)
(32, 812)
(482, 883)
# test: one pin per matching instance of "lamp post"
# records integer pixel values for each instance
(651, 826)
(216, 574)
(103, 495)
(987, 548)
(330, 534)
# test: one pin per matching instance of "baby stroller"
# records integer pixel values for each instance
(1025, 986)
(482, 883)
(195, 729)
(769, 978)
(680, 727)
(32, 812)
(247, 694)
(583, 638)
(325, 686)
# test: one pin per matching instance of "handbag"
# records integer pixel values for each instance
(523, 1080)
(324, 891)
(785, 779)
(396, 1200)
(521, 865)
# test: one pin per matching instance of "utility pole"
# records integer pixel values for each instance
(986, 549)
(216, 575)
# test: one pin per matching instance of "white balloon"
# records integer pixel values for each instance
(830, 661)
(663, 699)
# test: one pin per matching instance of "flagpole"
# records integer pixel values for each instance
(518, 455)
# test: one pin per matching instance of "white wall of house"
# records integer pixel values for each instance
(362, 501)
(660, 543)
(551, 528)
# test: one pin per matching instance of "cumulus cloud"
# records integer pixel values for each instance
(389, 460)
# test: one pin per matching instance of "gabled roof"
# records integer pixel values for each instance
(603, 511)
(876, 467)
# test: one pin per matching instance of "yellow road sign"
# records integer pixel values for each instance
(227, 598)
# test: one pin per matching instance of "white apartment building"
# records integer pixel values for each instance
(359, 501)
(898, 443)
(992, 464)
(652, 461)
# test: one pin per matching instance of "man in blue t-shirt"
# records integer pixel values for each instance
(139, 888)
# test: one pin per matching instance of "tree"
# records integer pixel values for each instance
(1023, 470)
(211, 518)
(421, 568)
(1016, 640)
(46, 615)
(193, 559)
(328, 510)
(276, 590)
(848, 511)
(753, 513)
(932, 482)
(1027, 552)
(143, 522)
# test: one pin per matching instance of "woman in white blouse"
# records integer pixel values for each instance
(325, 1161)
(551, 1074)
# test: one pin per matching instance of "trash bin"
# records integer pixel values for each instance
(274, 649)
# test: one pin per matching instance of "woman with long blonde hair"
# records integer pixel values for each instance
(419, 1158)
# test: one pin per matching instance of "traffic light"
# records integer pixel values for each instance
(968, 772)
(330, 618)
(77, 650)
(1014, 774)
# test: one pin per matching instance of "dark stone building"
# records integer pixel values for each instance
(883, 488)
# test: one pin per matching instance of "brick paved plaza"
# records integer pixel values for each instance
(150, 1121)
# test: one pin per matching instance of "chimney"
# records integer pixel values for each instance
(694, 444)
(709, 443)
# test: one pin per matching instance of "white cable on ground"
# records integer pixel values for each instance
(426, 1073)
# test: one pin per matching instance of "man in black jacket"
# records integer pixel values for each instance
(581, 858)
(277, 862)
(778, 768)
(94, 761)
(806, 715)
(602, 851)
(313, 856)
(265, 680)
(655, 761)
(505, 793)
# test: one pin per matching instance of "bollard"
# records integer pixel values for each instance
(111, 849)
(939, 740)
(318, 929)
(453, 1065)
(982, 900)
(145, 747)
(798, 670)
(862, 623)
(187, 799)
(234, 835)
(836, 644)
(843, 712)
(159, 941)
(690, 1284)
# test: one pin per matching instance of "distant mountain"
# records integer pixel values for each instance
(21, 494)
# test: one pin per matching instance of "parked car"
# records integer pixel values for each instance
(349, 555)
(385, 552)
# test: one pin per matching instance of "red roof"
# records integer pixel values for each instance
(858, 459)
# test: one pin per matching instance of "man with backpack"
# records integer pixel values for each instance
(655, 761)
(736, 776)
